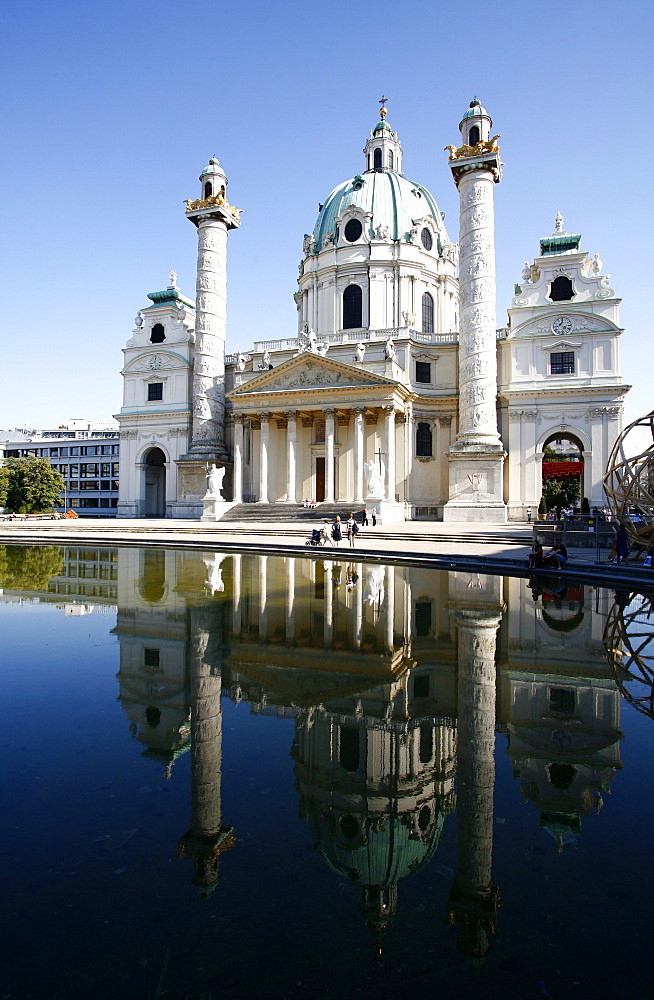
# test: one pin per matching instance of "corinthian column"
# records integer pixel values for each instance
(390, 452)
(238, 458)
(264, 441)
(329, 455)
(477, 456)
(291, 441)
(358, 454)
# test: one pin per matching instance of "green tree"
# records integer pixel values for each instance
(31, 485)
(559, 492)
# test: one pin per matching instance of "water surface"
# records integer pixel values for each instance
(232, 776)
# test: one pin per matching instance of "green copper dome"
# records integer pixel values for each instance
(388, 855)
(389, 199)
(475, 111)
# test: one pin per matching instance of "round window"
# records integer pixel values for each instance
(353, 230)
(427, 241)
(349, 827)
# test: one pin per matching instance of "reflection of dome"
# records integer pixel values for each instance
(382, 853)
(388, 198)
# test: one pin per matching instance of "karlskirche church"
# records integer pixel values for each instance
(396, 391)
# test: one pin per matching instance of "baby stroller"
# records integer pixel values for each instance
(315, 539)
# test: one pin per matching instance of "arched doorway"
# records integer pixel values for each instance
(155, 483)
(563, 470)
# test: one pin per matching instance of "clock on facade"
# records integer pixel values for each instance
(562, 324)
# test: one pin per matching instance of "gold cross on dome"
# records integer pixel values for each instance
(383, 102)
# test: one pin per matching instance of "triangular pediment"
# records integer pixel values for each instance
(311, 371)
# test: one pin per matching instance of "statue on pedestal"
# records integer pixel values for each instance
(215, 478)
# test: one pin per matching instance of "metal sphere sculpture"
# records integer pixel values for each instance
(629, 644)
(629, 478)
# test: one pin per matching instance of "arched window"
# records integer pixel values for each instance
(352, 308)
(349, 748)
(377, 159)
(427, 313)
(426, 751)
(473, 136)
(561, 289)
(423, 441)
(207, 189)
(158, 334)
(390, 159)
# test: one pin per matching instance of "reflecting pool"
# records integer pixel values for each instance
(258, 776)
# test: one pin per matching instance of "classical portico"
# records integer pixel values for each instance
(318, 429)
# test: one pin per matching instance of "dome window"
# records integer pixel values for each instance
(426, 239)
(158, 334)
(473, 136)
(377, 159)
(349, 751)
(353, 230)
(427, 313)
(349, 827)
(561, 289)
(390, 159)
(352, 308)
(207, 190)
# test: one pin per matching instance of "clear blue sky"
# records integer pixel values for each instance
(110, 110)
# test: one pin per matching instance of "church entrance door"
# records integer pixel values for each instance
(320, 480)
(155, 483)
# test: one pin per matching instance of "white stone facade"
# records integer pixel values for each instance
(396, 391)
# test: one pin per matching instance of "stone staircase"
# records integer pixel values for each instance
(282, 513)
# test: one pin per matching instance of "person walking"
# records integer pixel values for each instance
(351, 529)
(373, 514)
(337, 531)
(528, 515)
(364, 517)
(621, 544)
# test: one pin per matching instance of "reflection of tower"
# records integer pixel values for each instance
(375, 792)
(206, 837)
(474, 898)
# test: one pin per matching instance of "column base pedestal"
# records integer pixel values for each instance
(213, 507)
(386, 511)
(476, 486)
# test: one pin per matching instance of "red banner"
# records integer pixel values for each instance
(558, 470)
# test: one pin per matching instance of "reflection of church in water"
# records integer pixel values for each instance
(398, 680)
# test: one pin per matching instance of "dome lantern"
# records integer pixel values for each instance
(383, 151)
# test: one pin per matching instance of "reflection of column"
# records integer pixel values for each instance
(238, 457)
(357, 634)
(264, 435)
(474, 898)
(236, 594)
(390, 609)
(206, 837)
(358, 454)
(329, 455)
(390, 452)
(290, 599)
(291, 440)
(329, 606)
(263, 597)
